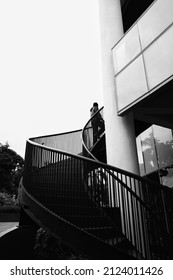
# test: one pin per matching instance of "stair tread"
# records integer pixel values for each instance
(98, 228)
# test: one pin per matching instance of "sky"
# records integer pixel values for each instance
(50, 67)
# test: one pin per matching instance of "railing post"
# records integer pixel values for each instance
(164, 212)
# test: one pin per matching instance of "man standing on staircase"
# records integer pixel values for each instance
(97, 122)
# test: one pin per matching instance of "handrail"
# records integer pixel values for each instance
(126, 190)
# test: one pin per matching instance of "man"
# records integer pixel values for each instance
(97, 122)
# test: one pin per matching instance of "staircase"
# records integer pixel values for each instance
(100, 210)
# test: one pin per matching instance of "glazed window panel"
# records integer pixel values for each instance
(164, 146)
(126, 50)
(167, 179)
(140, 156)
(155, 154)
(151, 25)
(149, 151)
(159, 59)
(131, 83)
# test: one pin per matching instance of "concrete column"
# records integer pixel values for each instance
(120, 135)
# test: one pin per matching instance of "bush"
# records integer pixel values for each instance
(11, 169)
(47, 247)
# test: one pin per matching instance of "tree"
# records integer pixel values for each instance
(11, 168)
(157, 152)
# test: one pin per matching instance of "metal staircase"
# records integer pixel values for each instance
(102, 211)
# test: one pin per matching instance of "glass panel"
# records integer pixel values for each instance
(126, 49)
(149, 152)
(131, 83)
(140, 156)
(155, 21)
(159, 59)
(168, 179)
(164, 148)
(155, 154)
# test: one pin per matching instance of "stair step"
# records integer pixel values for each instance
(89, 222)
(53, 193)
(104, 233)
(127, 247)
(115, 241)
(114, 214)
(65, 193)
(59, 184)
(72, 201)
(56, 206)
(80, 210)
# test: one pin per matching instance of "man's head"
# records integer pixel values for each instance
(95, 104)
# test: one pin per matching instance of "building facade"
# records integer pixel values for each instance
(136, 44)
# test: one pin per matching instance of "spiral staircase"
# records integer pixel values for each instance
(100, 210)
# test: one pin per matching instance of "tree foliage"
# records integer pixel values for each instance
(11, 168)
(158, 155)
(158, 152)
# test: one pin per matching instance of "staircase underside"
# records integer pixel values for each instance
(87, 241)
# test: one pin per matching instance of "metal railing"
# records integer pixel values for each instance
(145, 207)
(67, 141)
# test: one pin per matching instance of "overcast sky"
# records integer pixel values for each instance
(50, 67)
